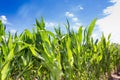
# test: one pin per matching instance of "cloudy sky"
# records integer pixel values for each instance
(18, 15)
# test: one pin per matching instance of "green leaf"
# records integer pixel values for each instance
(24, 60)
(109, 36)
(40, 25)
(69, 52)
(5, 71)
(80, 35)
(10, 41)
(35, 53)
(91, 27)
(11, 54)
(2, 29)
(68, 27)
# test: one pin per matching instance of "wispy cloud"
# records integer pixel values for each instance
(75, 19)
(69, 14)
(24, 10)
(110, 23)
(29, 11)
(79, 7)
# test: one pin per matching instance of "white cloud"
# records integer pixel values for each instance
(111, 23)
(72, 16)
(76, 26)
(95, 36)
(80, 7)
(13, 31)
(50, 24)
(68, 14)
(114, 1)
(4, 20)
(77, 8)
(77, 23)
(75, 19)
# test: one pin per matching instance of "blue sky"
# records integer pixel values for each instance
(21, 14)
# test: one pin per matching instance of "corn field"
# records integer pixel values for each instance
(44, 55)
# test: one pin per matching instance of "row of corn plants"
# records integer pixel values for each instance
(43, 55)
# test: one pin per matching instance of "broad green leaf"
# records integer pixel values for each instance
(69, 52)
(2, 29)
(109, 36)
(5, 71)
(24, 60)
(10, 41)
(40, 25)
(11, 54)
(91, 27)
(80, 34)
(35, 53)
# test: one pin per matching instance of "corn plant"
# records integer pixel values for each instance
(43, 55)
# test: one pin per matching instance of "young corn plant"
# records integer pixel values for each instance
(43, 55)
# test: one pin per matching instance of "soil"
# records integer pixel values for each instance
(115, 75)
